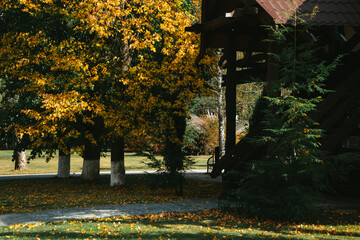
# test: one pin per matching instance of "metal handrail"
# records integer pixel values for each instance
(213, 159)
(210, 164)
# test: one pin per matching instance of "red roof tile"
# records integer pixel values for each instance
(330, 12)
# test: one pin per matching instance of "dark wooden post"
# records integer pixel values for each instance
(230, 96)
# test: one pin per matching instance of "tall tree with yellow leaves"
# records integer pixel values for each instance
(98, 71)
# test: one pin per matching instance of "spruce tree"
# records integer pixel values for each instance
(287, 180)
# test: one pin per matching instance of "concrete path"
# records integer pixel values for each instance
(110, 210)
(106, 211)
(78, 174)
(53, 175)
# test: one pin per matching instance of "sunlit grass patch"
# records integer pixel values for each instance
(28, 195)
(208, 224)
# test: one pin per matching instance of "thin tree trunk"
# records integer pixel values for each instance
(221, 117)
(174, 155)
(64, 165)
(117, 177)
(91, 164)
(20, 160)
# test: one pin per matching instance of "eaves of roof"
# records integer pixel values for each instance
(328, 12)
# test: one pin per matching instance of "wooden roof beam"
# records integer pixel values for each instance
(247, 76)
(351, 43)
(252, 61)
(239, 12)
(223, 21)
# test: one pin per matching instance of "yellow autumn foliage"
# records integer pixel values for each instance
(73, 66)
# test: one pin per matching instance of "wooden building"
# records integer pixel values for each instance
(238, 25)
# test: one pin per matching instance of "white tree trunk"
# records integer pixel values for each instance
(63, 165)
(91, 164)
(20, 161)
(117, 164)
(91, 170)
(117, 174)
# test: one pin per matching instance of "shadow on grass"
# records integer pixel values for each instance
(337, 223)
(133, 230)
(120, 235)
(333, 233)
(203, 225)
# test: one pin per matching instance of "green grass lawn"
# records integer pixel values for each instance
(209, 224)
(28, 195)
(39, 165)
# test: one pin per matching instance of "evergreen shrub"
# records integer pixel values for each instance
(287, 181)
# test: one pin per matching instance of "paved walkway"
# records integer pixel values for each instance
(194, 173)
(106, 211)
(110, 210)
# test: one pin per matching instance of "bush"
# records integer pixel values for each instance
(201, 135)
